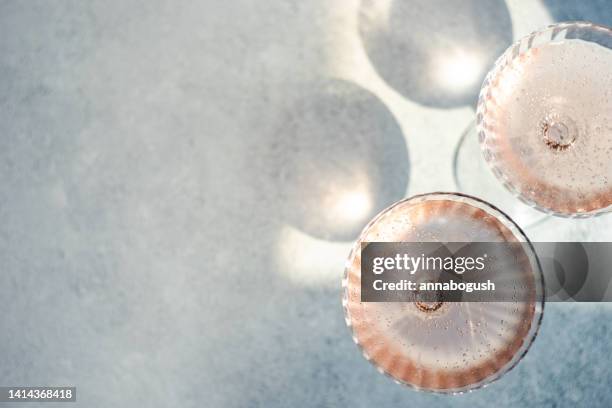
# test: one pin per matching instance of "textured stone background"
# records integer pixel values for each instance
(170, 173)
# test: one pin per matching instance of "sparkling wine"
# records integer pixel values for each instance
(435, 345)
(544, 119)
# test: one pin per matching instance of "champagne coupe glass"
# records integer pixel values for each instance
(447, 347)
(543, 119)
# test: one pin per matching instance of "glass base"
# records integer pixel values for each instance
(473, 176)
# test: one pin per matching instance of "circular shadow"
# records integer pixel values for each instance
(338, 157)
(435, 52)
(595, 11)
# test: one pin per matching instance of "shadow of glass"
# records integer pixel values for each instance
(337, 158)
(596, 11)
(435, 53)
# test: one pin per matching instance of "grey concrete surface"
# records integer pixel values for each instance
(170, 173)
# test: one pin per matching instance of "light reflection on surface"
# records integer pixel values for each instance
(352, 206)
(459, 70)
(309, 261)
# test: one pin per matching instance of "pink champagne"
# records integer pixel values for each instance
(544, 119)
(444, 347)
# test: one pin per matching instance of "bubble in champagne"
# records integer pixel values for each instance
(433, 345)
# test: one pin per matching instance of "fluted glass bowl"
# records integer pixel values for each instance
(543, 119)
(458, 346)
